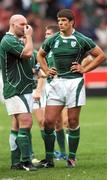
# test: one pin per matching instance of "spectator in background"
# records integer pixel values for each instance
(52, 9)
(4, 20)
(101, 33)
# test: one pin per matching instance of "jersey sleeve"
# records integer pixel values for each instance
(35, 56)
(49, 42)
(12, 45)
(46, 46)
(33, 60)
(88, 44)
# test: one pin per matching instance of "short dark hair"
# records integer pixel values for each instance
(66, 13)
(53, 27)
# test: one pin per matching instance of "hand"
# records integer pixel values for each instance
(28, 30)
(52, 72)
(76, 67)
(37, 95)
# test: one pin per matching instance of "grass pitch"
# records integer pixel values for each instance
(91, 155)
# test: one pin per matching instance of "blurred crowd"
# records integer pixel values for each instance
(90, 16)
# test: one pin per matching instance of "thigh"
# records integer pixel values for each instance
(15, 125)
(24, 120)
(62, 120)
(65, 117)
(52, 113)
(59, 123)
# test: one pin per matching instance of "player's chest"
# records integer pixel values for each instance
(66, 46)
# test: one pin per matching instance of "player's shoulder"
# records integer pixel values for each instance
(53, 37)
(9, 39)
(81, 36)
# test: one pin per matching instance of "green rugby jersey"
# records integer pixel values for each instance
(67, 50)
(50, 63)
(50, 59)
(33, 59)
(33, 62)
(17, 71)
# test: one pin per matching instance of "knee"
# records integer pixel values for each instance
(73, 122)
(26, 122)
(49, 123)
(59, 125)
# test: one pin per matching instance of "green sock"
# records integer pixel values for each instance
(61, 140)
(24, 143)
(42, 133)
(15, 151)
(49, 139)
(73, 140)
(31, 146)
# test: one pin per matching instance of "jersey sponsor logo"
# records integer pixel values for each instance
(73, 43)
(65, 41)
(56, 44)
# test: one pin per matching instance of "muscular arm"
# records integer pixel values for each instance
(99, 57)
(28, 48)
(87, 60)
(41, 59)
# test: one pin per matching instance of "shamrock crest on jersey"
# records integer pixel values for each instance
(73, 43)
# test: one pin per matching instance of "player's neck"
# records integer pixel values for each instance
(68, 33)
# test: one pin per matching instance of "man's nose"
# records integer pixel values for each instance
(60, 23)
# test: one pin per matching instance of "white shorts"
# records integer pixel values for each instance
(19, 104)
(67, 92)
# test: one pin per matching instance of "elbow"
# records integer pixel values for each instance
(103, 57)
(38, 57)
(27, 54)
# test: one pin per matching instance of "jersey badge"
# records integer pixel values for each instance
(73, 43)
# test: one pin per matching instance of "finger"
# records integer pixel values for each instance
(74, 63)
(75, 70)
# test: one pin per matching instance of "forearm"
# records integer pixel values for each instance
(43, 64)
(40, 85)
(28, 49)
(94, 64)
(88, 65)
